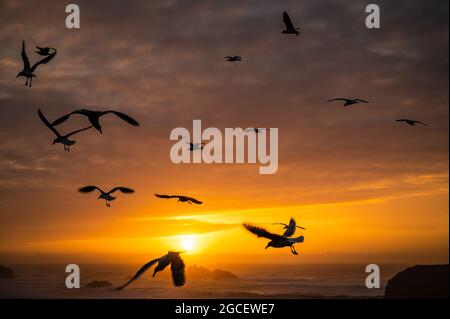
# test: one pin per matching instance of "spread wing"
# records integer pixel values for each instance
(261, 232)
(124, 117)
(363, 101)
(167, 196)
(64, 118)
(177, 266)
(46, 122)
(287, 21)
(418, 122)
(77, 131)
(124, 190)
(290, 230)
(139, 273)
(90, 188)
(43, 61)
(26, 62)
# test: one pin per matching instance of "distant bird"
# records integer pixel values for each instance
(233, 58)
(181, 198)
(94, 117)
(276, 241)
(410, 122)
(290, 29)
(63, 139)
(349, 101)
(195, 146)
(28, 69)
(45, 51)
(290, 229)
(106, 195)
(256, 130)
(176, 265)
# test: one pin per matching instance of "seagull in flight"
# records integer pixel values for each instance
(289, 229)
(276, 241)
(63, 139)
(28, 69)
(181, 198)
(290, 29)
(410, 122)
(349, 101)
(94, 117)
(45, 51)
(233, 58)
(106, 195)
(176, 265)
(195, 146)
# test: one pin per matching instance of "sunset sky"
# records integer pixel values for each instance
(364, 186)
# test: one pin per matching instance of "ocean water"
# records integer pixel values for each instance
(255, 281)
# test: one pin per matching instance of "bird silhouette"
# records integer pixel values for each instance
(45, 51)
(410, 122)
(176, 265)
(276, 241)
(195, 146)
(181, 198)
(234, 58)
(289, 229)
(106, 195)
(94, 117)
(28, 69)
(290, 29)
(63, 139)
(349, 101)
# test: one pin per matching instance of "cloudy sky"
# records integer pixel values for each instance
(361, 183)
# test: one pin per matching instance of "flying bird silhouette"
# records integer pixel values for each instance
(290, 29)
(45, 51)
(28, 69)
(289, 229)
(94, 117)
(195, 146)
(349, 101)
(233, 58)
(276, 241)
(410, 122)
(181, 198)
(63, 139)
(106, 195)
(176, 265)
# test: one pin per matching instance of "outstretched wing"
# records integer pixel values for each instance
(290, 230)
(287, 21)
(47, 123)
(402, 120)
(177, 266)
(43, 61)
(124, 117)
(90, 188)
(124, 190)
(418, 122)
(64, 118)
(363, 101)
(195, 201)
(139, 273)
(166, 196)
(338, 99)
(26, 62)
(261, 232)
(77, 131)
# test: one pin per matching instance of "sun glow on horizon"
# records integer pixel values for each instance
(188, 243)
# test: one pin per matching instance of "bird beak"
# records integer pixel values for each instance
(267, 246)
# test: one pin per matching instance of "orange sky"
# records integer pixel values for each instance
(365, 187)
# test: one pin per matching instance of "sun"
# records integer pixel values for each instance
(188, 242)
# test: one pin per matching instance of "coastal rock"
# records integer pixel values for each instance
(419, 282)
(6, 273)
(99, 284)
(199, 272)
